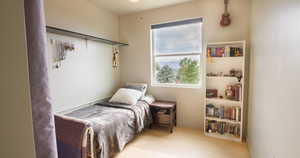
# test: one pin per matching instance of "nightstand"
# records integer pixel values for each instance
(164, 114)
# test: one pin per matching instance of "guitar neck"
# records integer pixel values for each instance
(226, 5)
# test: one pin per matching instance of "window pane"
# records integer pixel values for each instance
(177, 39)
(177, 70)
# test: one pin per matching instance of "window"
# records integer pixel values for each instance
(176, 53)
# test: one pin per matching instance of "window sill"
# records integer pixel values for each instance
(176, 86)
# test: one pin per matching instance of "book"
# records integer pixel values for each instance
(216, 52)
(237, 114)
(222, 128)
(210, 108)
(220, 52)
(223, 112)
(235, 52)
(227, 51)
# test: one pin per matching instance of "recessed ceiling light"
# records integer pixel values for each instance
(134, 1)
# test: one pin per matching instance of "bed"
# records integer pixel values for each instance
(113, 125)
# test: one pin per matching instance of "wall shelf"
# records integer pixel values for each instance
(55, 30)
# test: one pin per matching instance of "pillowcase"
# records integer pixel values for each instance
(142, 85)
(126, 96)
(139, 88)
(148, 99)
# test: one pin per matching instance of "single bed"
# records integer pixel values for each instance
(114, 124)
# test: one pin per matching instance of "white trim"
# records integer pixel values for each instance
(152, 66)
(176, 54)
(228, 43)
(166, 85)
(201, 62)
(181, 19)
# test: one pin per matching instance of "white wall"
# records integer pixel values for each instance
(135, 59)
(87, 74)
(16, 131)
(82, 16)
(274, 101)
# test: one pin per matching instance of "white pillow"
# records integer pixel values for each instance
(139, 84)
(126, 96)
(148, 99)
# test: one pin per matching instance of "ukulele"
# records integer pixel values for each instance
(225, 21)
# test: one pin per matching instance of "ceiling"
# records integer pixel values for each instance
(122, 7)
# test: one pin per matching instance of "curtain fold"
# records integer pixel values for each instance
(43, 120)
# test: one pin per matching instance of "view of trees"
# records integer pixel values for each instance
(188, 72)
(165, 74)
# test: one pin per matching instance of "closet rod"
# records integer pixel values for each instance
(56, 30)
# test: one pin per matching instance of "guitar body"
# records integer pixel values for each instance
(225, 21)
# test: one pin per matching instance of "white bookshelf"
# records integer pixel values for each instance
(219, 68)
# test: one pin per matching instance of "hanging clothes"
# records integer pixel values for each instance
(116, 60)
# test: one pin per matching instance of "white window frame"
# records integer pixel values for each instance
(177, 54)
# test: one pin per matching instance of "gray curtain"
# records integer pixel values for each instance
(43, 120)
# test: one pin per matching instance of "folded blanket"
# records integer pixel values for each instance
(72, 137)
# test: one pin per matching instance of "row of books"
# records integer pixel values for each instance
(224, 112)
(224, 52)
(234, 92)
(222, 128)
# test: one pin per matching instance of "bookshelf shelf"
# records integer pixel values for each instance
(221, 77)
(223, 120)
(223, 101)
(226, 58)
(225, 62)
(224, 136)
(228, 78)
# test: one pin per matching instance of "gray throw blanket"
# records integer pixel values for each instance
(114, 124)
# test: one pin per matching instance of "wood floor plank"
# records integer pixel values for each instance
(184, 142)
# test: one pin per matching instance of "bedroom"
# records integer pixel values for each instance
(92, 70)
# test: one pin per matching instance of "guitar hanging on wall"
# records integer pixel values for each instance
(225, 21)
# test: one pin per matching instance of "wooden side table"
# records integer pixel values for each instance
(169, 109)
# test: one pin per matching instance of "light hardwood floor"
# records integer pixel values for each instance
(183, 143)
